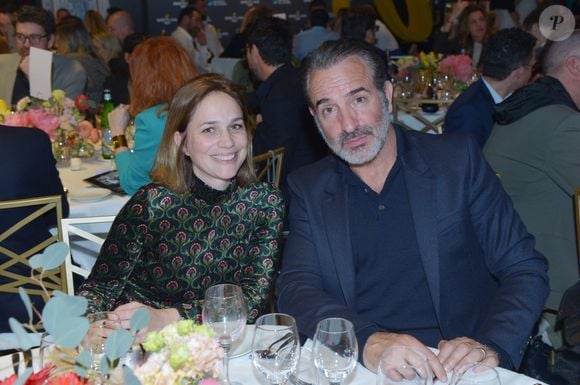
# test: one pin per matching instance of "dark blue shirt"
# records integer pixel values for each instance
(391, 284)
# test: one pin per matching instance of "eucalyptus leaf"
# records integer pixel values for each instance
(26, 301)
(70, 331)
(54, 255)
(58, 293)
(118, 343)
(104, 366)
(130, 378)
(24, 376)
(84, 362)
(140, 319)
(23, 338)
(61, 307)
(36, 261)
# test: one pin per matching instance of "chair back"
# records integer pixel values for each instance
(268, 166)
(86, 230)
(52, 280)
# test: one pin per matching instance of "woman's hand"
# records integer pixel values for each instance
(119, 119)
(159, 317)
(457, 10)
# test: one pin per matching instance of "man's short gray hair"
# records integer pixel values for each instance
(558, 51)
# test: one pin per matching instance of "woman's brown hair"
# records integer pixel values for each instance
(173, 169)
(159, 66)
(462, 33)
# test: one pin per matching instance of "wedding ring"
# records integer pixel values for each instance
(483, 351)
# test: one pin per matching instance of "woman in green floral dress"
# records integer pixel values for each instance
(204, 220)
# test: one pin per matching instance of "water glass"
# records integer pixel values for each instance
(276, 347)
(102, 324)
(335, 349)
(402, 365)
(225, 312)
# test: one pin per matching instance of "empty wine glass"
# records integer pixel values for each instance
(335, 349)
(102, 324)
(477, 374)
(225, 312)
(276, 347)
(402, 365)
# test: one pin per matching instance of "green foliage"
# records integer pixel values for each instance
(130, 378)
(118, 343)
(63, 319)
(140, 319)
(51, 258)
(25, 341)
(24, 376)
(83, 363)
(26, 301)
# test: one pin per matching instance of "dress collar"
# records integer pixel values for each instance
(203, 191)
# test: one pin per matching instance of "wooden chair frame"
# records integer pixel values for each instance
(70, 226)
(52, 280)
(412, 107)
(268, 166)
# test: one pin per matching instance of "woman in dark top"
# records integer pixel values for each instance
(204, 220)
(466, 31)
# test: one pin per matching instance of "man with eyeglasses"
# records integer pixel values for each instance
(507, 61)
(34, 27)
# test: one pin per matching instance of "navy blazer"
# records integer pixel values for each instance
(472, 112)
(485, 278)
(28, 170)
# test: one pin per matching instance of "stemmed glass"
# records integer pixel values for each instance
(335, 349)
(405, 366)
(276, 347)
(225, 311)
(102, 324)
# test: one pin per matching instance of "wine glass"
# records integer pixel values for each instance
(477, 374)
(405, 366)
(276, 347)
(102, 324)
(225, 312)
(335, 349)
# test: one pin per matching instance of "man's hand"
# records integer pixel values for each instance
(200, 37)
(460, 353)
(25, 65)
(159, 317)
(378, 342)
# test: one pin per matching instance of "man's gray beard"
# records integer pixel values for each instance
(350, 156)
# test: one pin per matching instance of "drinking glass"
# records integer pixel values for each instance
(276, 347)
(477, 374)
(402, 365)
(225, 312)
(102, 324)
(335, 349)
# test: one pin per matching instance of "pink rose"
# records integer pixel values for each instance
(87, 131)
(45, 121)
(208, 381)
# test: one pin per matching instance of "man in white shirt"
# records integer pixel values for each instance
(189, 23)
(213, 42)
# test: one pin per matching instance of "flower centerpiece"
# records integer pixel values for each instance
(181, 353)
(62, 118)
(460, 67)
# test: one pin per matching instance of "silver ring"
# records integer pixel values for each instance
(482, 351)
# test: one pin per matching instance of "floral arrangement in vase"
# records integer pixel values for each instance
(62, 118)
(459, 67)
(181, 353)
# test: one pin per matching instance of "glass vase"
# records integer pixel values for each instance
(82, 149)
(61, 148)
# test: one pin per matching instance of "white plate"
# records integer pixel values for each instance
(89, 194)
(243, 346)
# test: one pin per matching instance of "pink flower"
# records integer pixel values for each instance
(458, 66)
(208, 381)
(17, 119)
(87, 131)
(45, 121)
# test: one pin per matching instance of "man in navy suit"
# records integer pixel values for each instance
(409, 236)
(508, 60)
(28, 170)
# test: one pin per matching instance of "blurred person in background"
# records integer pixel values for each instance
(209, 31)
(159, 66)
(120, 24)
(61, 14)
(35, 27)
(161, 252)
(465, 31)
(94, 22)
(74, 41)
(6, 24)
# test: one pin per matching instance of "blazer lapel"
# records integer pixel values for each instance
(335, 206)
(421, 185)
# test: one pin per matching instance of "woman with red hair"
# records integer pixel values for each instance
(158, 66)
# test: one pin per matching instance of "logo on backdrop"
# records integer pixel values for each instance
(557, 23)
